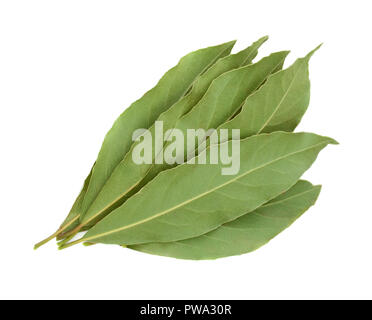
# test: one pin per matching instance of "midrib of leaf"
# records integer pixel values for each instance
(280, 102)
(196, 197)
(249, 56)
(219, 95)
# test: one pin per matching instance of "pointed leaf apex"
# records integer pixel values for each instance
(308, 56)
(263, 39)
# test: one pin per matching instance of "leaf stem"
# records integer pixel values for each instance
(65, 240)
(66, 245)
(55, 234)
(65, 227)
(46, 240)
(70, 234)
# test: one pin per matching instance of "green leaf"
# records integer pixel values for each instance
(202, 83)
(142, 113)
(193, 199)
(289, 91)
(216, 109)
(278, 105)
(222, 99)
(244, 234)
(199, 87)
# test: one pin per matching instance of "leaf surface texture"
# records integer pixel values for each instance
(142, 113)
(191, 200)
(245, 234)
(225, 95)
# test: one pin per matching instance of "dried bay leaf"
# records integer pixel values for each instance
(170, 116)
(191, 200)
(290, 92)
(278, 105)
(222, 99)
(198, 118)
(245, 234)
(200, 86)
(142, 113)
(194, 211)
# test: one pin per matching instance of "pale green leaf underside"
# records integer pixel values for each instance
(177, 110)
(225, 95)
(201, 84)
(245, 234)
(278, 105)
(142, 113)
(191, 200)
(170, 116)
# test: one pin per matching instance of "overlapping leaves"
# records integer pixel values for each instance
(191, 211)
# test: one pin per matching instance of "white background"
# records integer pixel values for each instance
(69, 68)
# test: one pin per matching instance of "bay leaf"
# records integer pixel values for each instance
(192, 199)
(245, 234)
(199, 87)
(278, 105)
(173, 85)
(290, 92)
(225, 95)
(142, 113)
(170, 116)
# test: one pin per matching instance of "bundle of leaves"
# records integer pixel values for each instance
(190, 210)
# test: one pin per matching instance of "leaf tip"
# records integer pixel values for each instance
(308, 56)
(329, 140)
(231, 43)
(263, 39)
(318, 188)
(88, 244)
